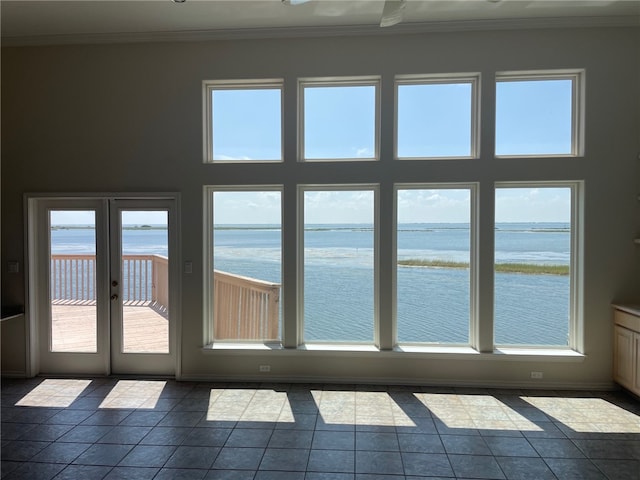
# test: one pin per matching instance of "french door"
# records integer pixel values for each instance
(104, 275)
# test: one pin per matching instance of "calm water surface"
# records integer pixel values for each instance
(433, 303)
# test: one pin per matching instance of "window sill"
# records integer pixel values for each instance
(337, 347)
(537, 156)
(538, 354)
(453, 157)
(248, 347)
(504, 354)
(508, 354)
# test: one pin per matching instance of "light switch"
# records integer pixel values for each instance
(13, 267)
(188, 267)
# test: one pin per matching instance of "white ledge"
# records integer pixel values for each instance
(336, 347)
(436, 349)
(522, 354)
(538, 354)
(228, 346)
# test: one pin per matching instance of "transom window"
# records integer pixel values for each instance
(538, 114)
(436, 117)
(339, 119)
(243, 121)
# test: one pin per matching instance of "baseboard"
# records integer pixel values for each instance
(516, 384)
(13, 374)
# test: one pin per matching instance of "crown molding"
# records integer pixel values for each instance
(332, 31)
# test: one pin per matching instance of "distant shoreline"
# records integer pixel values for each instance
(404, 227)
(90, 227)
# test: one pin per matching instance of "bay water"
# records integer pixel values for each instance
(433, 304)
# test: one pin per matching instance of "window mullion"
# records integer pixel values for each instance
(289, 299)
(484, 276)
(386, 321)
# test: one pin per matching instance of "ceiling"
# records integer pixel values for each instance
(77, 21)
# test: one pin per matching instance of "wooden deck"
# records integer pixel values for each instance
(145, 329)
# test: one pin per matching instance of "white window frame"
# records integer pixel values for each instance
(364, 81)
(481, 330)
(442, 79)
(576, 268)
(207, 298)
(577, 78)
(210, 86)
(302, 189)
(473, 259)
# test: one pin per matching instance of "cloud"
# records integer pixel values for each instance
(256, 207)
(229, 158)
(339, 206)
(434, 205)
(364, 153)
(544, 204)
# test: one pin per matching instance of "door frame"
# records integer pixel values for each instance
(32, 206)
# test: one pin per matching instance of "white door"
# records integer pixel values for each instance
(103, 281)
(142, 333)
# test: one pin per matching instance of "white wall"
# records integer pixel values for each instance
(111, 118)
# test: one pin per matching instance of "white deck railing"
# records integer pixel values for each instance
(244, 308)
(145, 279)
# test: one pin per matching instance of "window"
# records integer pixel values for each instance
(393, 253)
(534, 252)
(538, 114)
(244, 284)
(436, 117)
(339, 119)
(433, 264)
(243, 121)
(339, 257)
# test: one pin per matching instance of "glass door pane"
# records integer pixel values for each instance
(144, 278)
(72, 281)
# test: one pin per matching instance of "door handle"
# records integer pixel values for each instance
(114, 296)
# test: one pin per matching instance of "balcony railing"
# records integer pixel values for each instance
(244, 308)
(73, 279)
(145, 280)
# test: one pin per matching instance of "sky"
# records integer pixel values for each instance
(540, 204)
(433, 119)
(88, 217)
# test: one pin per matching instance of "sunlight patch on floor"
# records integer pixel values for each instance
(59, 393)
(134, 394)
(582, 414)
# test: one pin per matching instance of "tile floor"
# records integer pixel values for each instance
(84, 429)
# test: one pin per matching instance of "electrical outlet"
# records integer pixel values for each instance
(265, 368)
(536, 375)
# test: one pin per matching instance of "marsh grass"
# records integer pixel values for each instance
(526, 268)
